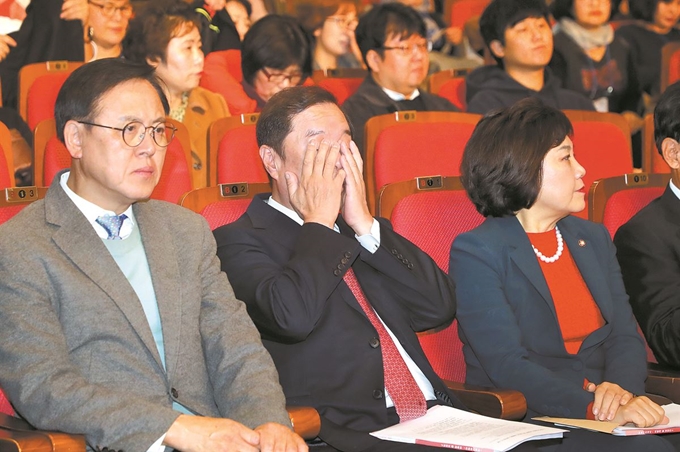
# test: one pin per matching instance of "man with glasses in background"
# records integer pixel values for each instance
(393, 45)
(115, 319)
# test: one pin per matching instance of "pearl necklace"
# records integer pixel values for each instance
(560, 248)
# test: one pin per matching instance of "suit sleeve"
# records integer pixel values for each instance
(244, 379)
(493, 335)
(651, 273)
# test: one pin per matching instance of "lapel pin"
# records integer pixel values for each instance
(581, 243)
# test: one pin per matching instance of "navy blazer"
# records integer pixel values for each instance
(509, 327)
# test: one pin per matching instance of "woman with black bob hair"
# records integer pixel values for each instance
(541, 303)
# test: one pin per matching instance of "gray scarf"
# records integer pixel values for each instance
(586, 39)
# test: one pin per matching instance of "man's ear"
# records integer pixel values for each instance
(73, 138)
(270, 161)
(670, 150)
(373, 60)
(497, 48)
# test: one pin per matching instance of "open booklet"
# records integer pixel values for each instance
(451, 428)
(672, 411)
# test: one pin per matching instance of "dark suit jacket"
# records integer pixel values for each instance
(508, 324)
(648, 248)
(323, 345)
(76, 349)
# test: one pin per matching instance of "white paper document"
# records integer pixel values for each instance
(451, 428)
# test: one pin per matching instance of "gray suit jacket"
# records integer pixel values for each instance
(77, 352)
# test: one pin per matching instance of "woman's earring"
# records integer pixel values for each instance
(90, 32)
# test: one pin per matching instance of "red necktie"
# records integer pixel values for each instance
(402, 387)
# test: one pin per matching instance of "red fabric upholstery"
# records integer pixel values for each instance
(674, 67)
(408, 150)
(603, 151)
(464, 10)
(175, 177)
(432, 220)
(622, 205)
(340, 87)
(56, 159)
(225, 212)
(5, 407)
(238, 159)
(222, 74)
(6, 175)
(454, 91)
(42, 95)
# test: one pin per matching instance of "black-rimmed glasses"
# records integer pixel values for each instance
(109, 10)
(133, 133)
(280, 77)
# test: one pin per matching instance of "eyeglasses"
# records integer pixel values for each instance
(341, 21)
(109, 10)
(280, 77)
(408, 50)
(134, 132)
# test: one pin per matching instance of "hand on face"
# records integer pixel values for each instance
(354, 208)
(316, 195)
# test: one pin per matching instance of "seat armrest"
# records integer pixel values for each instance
(16, 435)
(305, 420)
(663, 381)
(498, 403)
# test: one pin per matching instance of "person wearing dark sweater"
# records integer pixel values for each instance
(655, 27)
(393, 45)
(518, 34)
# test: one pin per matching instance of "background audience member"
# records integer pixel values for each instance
(588, 58)
(218, 29)
(240, 11)
(392, 39)
(52, 30)
(541, 304)
(105, 28)
(165, 34)
(275, 55)
(648, 246)
(331, 23)
(656, 21)
(518, 34)
(450, 49)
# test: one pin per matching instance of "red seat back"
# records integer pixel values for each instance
(432, 219)
(623, 205)
(56, 159)
(464, 10)
(175, 177)
(341, 88)
(5, 407)
(670, 64)
(454, 91)
(42, 96)
(222, 74)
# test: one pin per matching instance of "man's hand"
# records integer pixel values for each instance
(642, 412)
(75, 10)
(608, 398)
(5, 43)
(209, 434)
(278, 438)
(317, 194)
(454, 35)
(354, 208)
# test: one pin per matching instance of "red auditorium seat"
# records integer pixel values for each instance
(670, 64)
(457, 12)
(449, 85)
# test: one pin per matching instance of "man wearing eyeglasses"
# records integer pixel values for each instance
(115, 320)
(393, 45)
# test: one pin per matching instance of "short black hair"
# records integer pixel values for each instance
(79, 97)
(386, 20)
(503, 14)
(565, 8)
(502, 164)
(667, 116)
(276, 119)
(154, 24)
(276, 42)
(644, 9)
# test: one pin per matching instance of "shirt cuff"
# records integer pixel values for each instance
(158, 445)
(371, 241)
